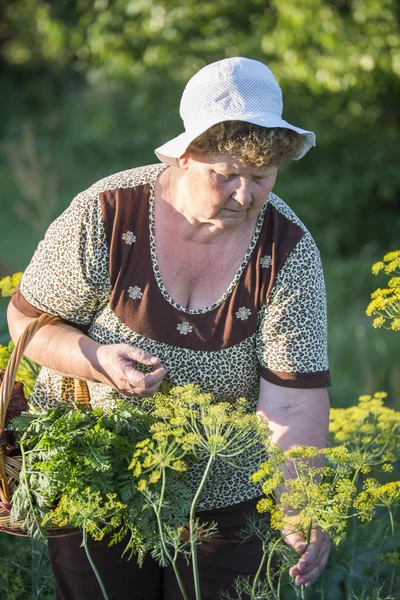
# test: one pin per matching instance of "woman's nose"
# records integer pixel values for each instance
(242, 193)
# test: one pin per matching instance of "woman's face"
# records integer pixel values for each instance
(223, 191)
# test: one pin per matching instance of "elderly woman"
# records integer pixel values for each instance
(194, 270)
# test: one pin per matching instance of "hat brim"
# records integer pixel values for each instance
(170, 152)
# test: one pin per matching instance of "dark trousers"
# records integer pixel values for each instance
(221, 558)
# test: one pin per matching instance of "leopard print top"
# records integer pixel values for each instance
(97, 269)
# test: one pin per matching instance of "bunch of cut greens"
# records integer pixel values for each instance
(75, 474)
(77, 468)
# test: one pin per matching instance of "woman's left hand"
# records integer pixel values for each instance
(313, 557)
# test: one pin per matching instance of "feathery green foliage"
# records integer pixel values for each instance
(27, 371)
(74, 471)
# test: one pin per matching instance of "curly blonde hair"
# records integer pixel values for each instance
(253, 145)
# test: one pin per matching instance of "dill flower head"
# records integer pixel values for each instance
(378, 322)
(308, 502)
(377, 267)
(369, 429)
(265, 505)
(373, 494)
(385, 302)
(9, 283)
(394, 282)
(189, 426)
(391, 256)
(390, 558)
(304, 452)
(203, 426)
(319, 496)
(395, 325)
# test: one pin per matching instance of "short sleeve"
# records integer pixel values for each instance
(69, 274)
(292, 328)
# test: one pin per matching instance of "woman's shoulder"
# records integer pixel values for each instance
(284, 212)
(286, 232)
(128, 179)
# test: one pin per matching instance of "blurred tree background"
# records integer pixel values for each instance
(90, 87)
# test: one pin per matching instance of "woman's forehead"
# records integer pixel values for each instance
(228, 165)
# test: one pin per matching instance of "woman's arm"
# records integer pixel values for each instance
(299, 417)
(71, 353)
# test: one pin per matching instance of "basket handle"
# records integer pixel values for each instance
(81, 393)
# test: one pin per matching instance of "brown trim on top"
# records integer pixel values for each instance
(153, 316)
(22, 304)
(319, 379)
(27, 309)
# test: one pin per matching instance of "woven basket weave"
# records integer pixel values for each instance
(10, 466)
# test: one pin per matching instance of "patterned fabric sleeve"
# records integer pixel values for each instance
(292, 328)
(68, 274)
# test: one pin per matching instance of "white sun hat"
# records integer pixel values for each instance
(233, 89)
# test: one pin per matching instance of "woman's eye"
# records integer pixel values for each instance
(262, 178)
(224, 177)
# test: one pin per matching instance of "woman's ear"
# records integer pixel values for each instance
(183, 161)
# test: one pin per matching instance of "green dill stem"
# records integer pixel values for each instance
(394, 550)
(303, 592)
(160, 529)
(269, 577)
(308, 538)
(299, 593)
(278, 588)
(191, 527)
(353, 554)
(95, 571)
(380, 551)
(353, 541)
(309, 530)
(257, 575)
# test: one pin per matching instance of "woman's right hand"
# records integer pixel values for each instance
(116, 367)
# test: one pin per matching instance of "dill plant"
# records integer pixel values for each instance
(191, 428)
(385, 302)
(364, 438)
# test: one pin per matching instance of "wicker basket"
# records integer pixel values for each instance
(10, 466)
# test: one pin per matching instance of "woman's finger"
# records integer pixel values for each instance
(296, 541)
(314, 549)
(307, 570)
(149, 390)
(141, 356)
(308, 577)
(306, 564)
(144, 381)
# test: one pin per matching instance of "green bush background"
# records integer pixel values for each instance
(88, 88)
